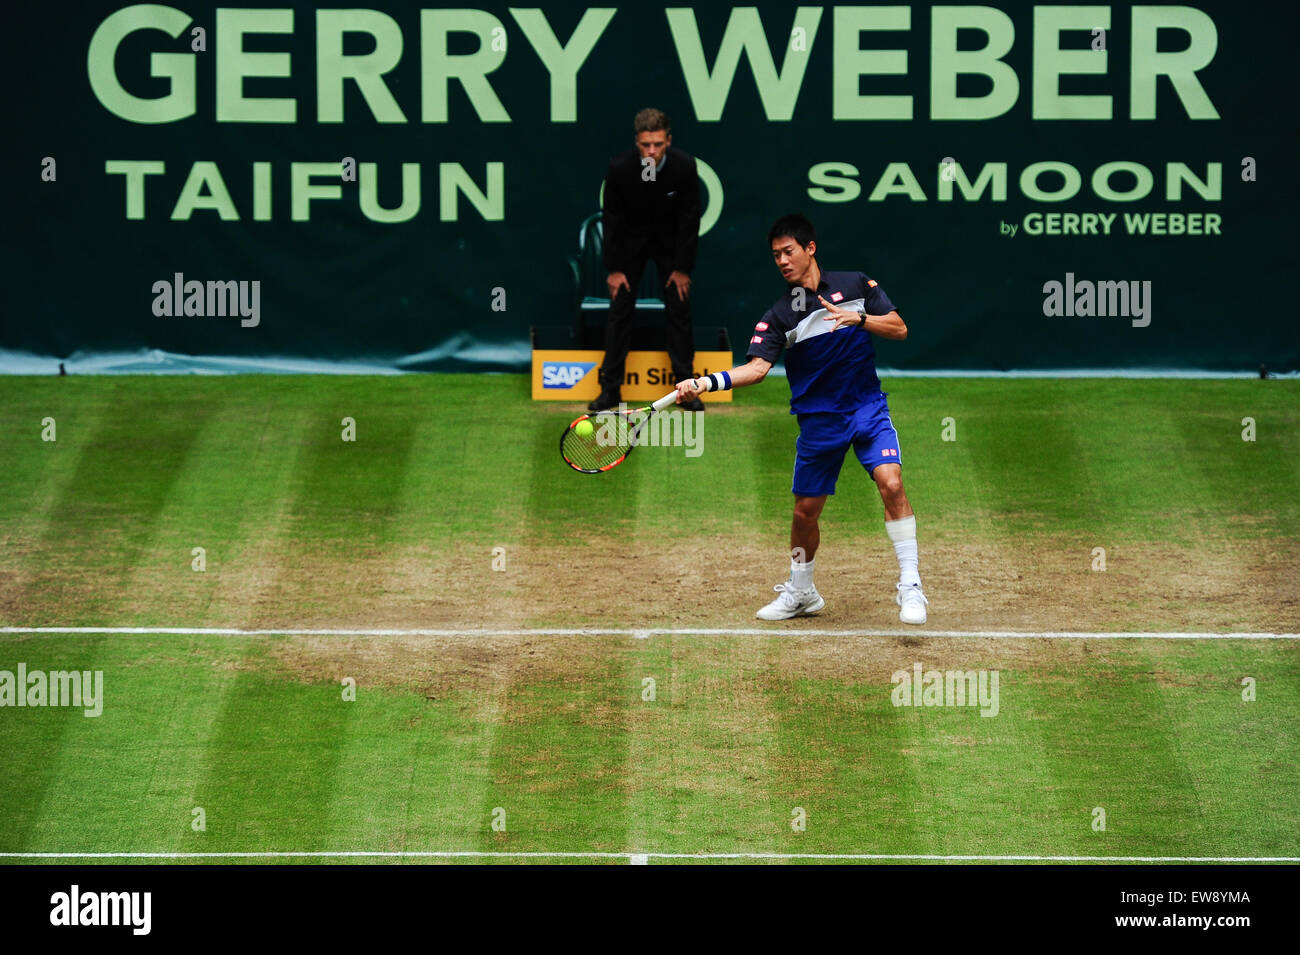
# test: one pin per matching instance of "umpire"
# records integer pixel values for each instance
(651, 212)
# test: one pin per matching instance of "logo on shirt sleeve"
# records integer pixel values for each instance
(756, 340)
(761, 327)
(871, 283)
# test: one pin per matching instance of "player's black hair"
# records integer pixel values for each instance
(796, 226)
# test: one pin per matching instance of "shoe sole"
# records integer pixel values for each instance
(904, 619)
(810, 609)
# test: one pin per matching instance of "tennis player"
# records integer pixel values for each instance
(826, 325)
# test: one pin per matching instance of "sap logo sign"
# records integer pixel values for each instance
(564, 374)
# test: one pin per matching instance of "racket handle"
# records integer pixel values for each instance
(667, 401)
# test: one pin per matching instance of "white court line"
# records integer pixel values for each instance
(644, 633)
(633, 857)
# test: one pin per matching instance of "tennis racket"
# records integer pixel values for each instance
(613, 435)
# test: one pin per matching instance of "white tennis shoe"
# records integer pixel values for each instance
(912, 602)
(791, 603)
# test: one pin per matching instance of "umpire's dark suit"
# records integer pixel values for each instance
(655, 220)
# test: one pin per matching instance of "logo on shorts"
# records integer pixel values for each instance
(837, 296)
(889, 452)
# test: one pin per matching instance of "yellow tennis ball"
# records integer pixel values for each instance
(584, 428)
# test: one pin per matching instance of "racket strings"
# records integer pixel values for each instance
(612, 436)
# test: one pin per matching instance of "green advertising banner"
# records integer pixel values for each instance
(1037, 186)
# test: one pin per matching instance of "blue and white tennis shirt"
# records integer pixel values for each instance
(827, 372)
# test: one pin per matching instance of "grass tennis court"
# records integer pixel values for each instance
(450, 475)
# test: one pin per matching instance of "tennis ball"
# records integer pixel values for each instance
(584, 428)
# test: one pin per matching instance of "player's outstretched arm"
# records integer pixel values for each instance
(889, 325)
(886, 326)
(750, 373)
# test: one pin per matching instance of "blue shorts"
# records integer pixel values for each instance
(825, 437)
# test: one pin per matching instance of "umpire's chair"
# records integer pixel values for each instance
(591, 294)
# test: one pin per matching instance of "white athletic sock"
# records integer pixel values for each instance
(801, 574)
(903, 533)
